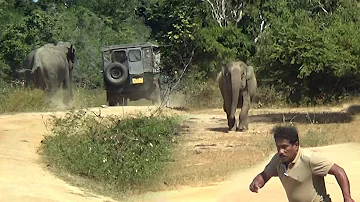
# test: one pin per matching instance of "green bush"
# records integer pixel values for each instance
(126, 153)
(202, 93)
(314, 138)
(268, 96)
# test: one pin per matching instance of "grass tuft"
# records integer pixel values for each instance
(124, 154)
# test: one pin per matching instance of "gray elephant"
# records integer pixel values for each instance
(50, 66)
(238, 84)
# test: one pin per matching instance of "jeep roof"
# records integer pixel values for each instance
(122, 46)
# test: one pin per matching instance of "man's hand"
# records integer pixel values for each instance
(255, 186)
(258, 182)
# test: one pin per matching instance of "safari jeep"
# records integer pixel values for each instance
(131, 71)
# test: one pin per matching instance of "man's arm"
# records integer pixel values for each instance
(259, 181)
(342, 180)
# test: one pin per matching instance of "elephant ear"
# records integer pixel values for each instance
(71, 53)
(249, 72)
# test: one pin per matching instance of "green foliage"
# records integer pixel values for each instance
(303, 55)
(174, 24)
(224, 43)
(122, 152)
(19, 38)
(201, 94)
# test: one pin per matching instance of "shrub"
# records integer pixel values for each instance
(125, 153)
(268, 96)
(315, 138)
(202, 95)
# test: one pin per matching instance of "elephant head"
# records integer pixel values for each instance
(70, 55)
(69, 50)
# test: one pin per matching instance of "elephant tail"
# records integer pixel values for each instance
(23, 70)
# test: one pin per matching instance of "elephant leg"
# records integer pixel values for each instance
(233, 98)
(67, 94)
(68, 89)
(50, 88)
(243, 116)
(51, 83)
(223, 93)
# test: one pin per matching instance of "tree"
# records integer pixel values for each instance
(20, 37)
(310, 55)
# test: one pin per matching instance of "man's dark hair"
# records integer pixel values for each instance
(286, 132)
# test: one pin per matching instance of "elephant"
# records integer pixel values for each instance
(238, 84)
(50, 66)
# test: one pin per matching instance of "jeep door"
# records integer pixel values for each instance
(136, 68)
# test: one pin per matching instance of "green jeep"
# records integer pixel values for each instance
(131, 71)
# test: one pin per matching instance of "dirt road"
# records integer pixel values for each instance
(22, 178)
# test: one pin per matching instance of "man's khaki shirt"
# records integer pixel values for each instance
(303, 180)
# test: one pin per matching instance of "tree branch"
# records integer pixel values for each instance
(214, 12)
(225, 11)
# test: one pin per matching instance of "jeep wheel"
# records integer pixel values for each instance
(116, 73)
(112, 103)
(157, 95)
(123, 101)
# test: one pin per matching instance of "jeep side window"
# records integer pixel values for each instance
(147, 52)
(134, 55)
(157, 61)
(106, 56)
(119, 56)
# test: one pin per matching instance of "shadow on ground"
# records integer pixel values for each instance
(343, 116)
(353, 109)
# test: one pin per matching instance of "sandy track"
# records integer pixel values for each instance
(22, 178)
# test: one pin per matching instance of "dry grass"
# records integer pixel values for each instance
(213, 161)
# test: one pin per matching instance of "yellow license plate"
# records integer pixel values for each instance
(137, 80)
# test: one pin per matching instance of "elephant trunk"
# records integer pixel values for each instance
(235, 91)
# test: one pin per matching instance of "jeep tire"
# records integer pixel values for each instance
(116, 73)
(123, 101)
(115, 101)
(157, 95)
